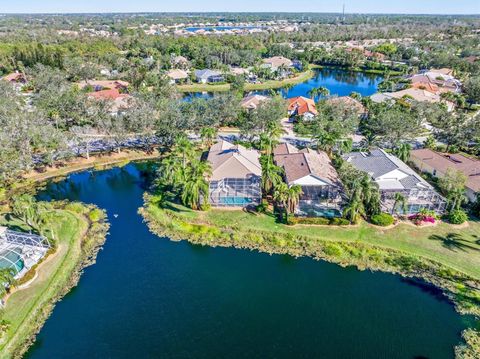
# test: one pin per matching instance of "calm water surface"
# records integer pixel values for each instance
(148, 297)
(337, 81)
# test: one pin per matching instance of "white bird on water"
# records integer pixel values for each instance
(115, 215)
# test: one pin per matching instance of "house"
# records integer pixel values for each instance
(99, 85)
(236, 175)
(177, 76)
(208, 76)
(15, 77)
(394, 176)
(412, 94)
(437, 164)
(348, 102)
(180, 62)
(319, 180)
(120, 101)
(251, 102)
(276, 62)
(442, 79)
(302, 107)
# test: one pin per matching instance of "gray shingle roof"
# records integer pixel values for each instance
(378, 163)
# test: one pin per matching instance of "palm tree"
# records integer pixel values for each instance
(354, 209)
(318, 91)
(208, 134)
(271, 174)
(294, 193)
(183, 148)
(403, 151)
(7, 279)
(399, 201)
(281, 195)
(195, 187)
(313, 92)
(456, 197)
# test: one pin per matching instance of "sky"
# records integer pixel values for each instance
(351, 6)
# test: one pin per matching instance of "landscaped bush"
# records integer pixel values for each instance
(95, 215)
(262, 207)
(424, 216)
(318, 221)
(382, 219)
(457, 216)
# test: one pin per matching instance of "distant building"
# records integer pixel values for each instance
(177, 76)
(412, 94)
(15, 77)
(319, 180)
(208, 76)
(99, 85)
(236, 175)
(276, 62)
(394, 176)
(350, 102)
(120, 101)
(180, 62)
(251, 102)
(302, 107)
(437, 164)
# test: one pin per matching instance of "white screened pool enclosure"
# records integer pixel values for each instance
(233, 192)
(21, 251)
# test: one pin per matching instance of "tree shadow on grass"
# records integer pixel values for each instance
(454, 242)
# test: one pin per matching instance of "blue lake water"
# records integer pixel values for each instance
(221, 28)
(149, 297)
(337, 81)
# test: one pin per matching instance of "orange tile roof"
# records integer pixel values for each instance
(302, 105)
(111, 94)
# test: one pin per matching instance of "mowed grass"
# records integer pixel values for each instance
(454, 246)
(24, 306)
(271, 84)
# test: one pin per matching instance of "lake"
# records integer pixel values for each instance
(149, 297)
(338, 82)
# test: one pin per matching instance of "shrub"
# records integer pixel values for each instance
(318, 221)
(95, 215)
(76, 207)
(457, 216)
(262, 207)
(382, 219)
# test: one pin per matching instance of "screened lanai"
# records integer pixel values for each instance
(20, 251)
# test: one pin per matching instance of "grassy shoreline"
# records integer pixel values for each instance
(329, 244)
(77, 164)
(271, 84)
(27, 309)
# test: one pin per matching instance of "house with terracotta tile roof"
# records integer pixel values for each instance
(437, 164)
(120, 101)
(394, 176)
(313, 171)
(15, 77)
(236, 175)
(302, 107)
(99, 85)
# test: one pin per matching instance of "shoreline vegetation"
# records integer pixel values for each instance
(81, 231)
(267, 85)
(440, 255)
(97, 162)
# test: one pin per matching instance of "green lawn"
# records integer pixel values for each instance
(26, 309)
(458, 248)
(271, 84)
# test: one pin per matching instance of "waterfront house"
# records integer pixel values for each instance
(208, 76)
(394, 176)
(313, 171)
(437, 164)
(251, 102)
(177, 76)
(302, 107)
(440, 79)
(236, 175)
(412, 94)
(276, 62)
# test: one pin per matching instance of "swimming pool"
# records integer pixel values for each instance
(12, 258)
(235, 201)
